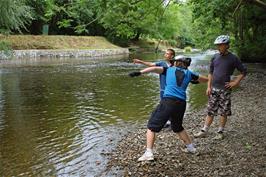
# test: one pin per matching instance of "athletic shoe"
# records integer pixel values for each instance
(201, 134)
(168, 124)
(189, 150)
(147, 156)
(219, 136)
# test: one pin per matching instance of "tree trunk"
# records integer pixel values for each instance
(157, 47)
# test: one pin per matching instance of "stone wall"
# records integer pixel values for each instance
(64, 53)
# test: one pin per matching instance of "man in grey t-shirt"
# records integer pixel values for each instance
(220, 84)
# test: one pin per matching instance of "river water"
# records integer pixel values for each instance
(60, 117)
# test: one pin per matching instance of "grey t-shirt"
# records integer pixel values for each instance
(222, 67)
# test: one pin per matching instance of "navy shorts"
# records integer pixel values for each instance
(168, 109)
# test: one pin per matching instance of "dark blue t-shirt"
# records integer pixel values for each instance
(162, 77)
(222, 67)
(177, 80)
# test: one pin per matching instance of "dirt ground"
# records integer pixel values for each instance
(241, 153)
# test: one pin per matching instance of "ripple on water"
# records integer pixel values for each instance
(57, 119)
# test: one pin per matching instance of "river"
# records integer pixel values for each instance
(60, 117)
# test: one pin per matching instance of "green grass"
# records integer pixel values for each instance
(24, 42)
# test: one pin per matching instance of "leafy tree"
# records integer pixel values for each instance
(128, 19)
(119, 20)
(175, 24)
(211, 18)
(14, 15)
(244, 22)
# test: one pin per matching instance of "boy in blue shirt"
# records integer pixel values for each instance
(172, 106)
(168, 56)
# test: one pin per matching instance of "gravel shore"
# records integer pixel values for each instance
(241, 153)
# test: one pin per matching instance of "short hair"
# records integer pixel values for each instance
(172, 51)
(180, 64)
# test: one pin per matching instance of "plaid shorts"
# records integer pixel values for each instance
(219, 103)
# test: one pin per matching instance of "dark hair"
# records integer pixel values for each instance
(180, 64)
(172, 51)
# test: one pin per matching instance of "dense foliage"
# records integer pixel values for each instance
(244, 21)
(119, 20)
(182, 23)
(14, 15)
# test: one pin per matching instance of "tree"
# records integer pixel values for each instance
(246, 25)
(14, 15)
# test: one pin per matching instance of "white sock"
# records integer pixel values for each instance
(190, 146)
(220, 129)
(149, 150)
(205, 128)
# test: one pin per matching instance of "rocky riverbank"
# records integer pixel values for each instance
(71, 53)
(240, 153)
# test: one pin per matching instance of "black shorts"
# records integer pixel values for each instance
(168, 109)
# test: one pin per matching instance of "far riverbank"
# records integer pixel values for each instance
(35, 46)
(73, 53)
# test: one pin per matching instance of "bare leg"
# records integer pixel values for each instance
(208, 120)
(204, 130)
(223, 120)
(185, 137)
(188, 142)
(150, 138)
(148, 155)
(222, 123)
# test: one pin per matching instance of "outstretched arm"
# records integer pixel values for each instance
(203, 78)
(150, 64)
(154, 69)
(199, 79)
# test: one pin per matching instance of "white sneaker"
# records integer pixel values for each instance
(147, 156)
(201, 134)
(167, 124)
(219, 136)
(190, 150)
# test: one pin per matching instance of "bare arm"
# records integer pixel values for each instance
(209, 88)
(234, 82)
(150, 64)
(154, 69)
(203, 79)
(209, 80)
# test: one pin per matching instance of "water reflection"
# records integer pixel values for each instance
(57, 116)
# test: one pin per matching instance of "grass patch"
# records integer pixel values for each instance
(24, 42)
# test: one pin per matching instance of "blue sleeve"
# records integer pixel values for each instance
(159, 63)
(164, 70)
(194, 76)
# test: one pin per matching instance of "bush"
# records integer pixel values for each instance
(172, 42)
(5, 49)
(250, 52)
(5, 46)
(187, 49)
